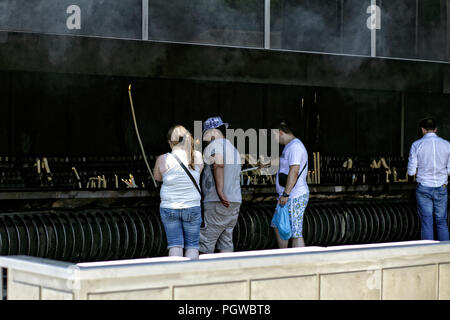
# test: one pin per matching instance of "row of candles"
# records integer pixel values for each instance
(130, 172)
(73, 173)
(332, 170)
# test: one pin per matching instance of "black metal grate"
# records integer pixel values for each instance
(127, 233)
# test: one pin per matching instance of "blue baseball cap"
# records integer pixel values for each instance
(213, 122)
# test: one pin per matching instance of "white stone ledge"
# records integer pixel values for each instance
(419, 264)
(224, 261)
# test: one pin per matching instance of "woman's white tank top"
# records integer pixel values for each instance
(178, 190)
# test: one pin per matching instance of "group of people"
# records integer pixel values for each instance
(194, 183)
(181, 194)
(206, 187)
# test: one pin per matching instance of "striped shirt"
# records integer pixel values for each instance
(429, 158)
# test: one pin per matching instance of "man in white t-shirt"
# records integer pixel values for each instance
(221, 188)
(291, 183)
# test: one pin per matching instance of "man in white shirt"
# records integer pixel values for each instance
(429, 160)
(293, 190)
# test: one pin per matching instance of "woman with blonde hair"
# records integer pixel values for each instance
(180, 193)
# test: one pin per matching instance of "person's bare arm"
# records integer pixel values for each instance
(219, 179)
(156, 171)
(199, 161)
(291, 180)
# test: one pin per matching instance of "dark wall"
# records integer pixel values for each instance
(360, 122)
(69, 114)
(419, 106)
(64, 95)
(147, 59)
(367, 122)
(60, 114)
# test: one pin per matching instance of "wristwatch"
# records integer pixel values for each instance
(285, 195)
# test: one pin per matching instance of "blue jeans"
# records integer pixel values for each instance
(182, 227)
(432, 203)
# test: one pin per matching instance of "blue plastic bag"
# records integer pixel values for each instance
(282, 221)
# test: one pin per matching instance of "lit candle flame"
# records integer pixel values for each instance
(129, 87)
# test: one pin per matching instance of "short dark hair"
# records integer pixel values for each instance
(283, 125)
(428, 124)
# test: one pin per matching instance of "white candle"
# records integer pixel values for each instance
(318, 167)
(38, 164)
(47, 168)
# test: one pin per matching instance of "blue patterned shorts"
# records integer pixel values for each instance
(297, 208)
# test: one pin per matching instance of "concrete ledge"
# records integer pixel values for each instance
(404, 270)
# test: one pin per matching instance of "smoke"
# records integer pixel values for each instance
(100, 18)
(327, 26)
(356, 37)
(222, 22)
(307, 26)
(398, 34)
(104, 18)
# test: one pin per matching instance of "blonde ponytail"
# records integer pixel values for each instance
(179, 135)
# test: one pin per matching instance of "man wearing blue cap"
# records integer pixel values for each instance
(221, 188)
